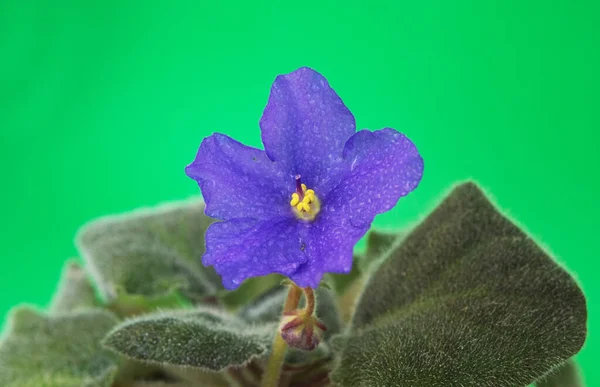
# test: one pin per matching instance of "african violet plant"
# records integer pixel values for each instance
(259, 284)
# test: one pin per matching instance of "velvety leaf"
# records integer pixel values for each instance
(378, 244)
(269, 307)
(347, 301)
(202, 338)
(342, 282)
(296, 358)
(197, 377)
(131, 371)
(57, 351)
(74, 290)
(164, 384)
(128, 305)
(466, 300)
(150, 251)
(249, 290)
(567, 375)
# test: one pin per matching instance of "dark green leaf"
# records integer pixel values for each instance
(379, 244)
(57, 351)
(198, 378)
(163, 384)
(74, 290)
(466, 300)
(296, 358)
(249, 290)
(341, 282)
(327, 311)
(567, 375)
(128, 305)
(267, 307)
(202, 338)
(148, 252)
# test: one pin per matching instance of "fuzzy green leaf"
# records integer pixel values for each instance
(297, 358)
(194, 377)
(57, 351)
(148, 252)
(162, 384)
(265, 308)
(249, 290)
(466, 300)
(74, 290)
(341, 282)
(202, 338)
(127, 305)
(378, 244)
(567, 375)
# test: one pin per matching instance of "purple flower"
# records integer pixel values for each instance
(299, 207)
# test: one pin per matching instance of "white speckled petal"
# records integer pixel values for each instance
(328, 243)
(239, 181)
(305, 126)
(244, 247)
(384, 166)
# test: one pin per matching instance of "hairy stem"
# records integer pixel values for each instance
(293, 298)
(309, 294)
(273, 370)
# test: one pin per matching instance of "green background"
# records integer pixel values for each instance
(103, 103)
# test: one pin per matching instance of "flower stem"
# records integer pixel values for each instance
(309, 294)
(273, 370)
(293, 298)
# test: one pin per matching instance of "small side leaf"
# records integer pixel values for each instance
(74, 290)
(57, 351)
(466, 299)
(567, 375)
(127, 305)
(148, 252)
(203, 338)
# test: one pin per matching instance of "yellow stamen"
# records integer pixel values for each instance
(295, 199)
(305, 204)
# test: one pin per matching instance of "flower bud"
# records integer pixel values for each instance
(301, 331)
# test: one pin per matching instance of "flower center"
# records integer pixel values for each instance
(305, 203)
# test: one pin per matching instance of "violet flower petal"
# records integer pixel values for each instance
(239, 181)
(244, 247)
(305, 126)
(384, 166)
(329, 243)
(307, 131)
